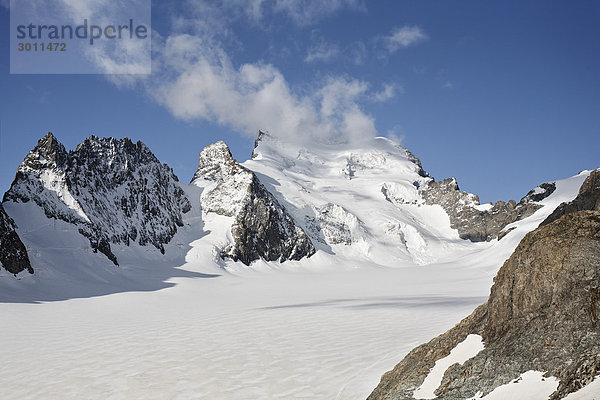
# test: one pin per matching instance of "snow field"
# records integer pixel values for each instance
(189, 325)
(261, 336)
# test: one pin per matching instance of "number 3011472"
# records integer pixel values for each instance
(42, 46)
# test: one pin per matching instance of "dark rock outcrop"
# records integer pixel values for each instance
(543, 314)
(262, 227)
(539, 193)
(588, 198)
(474, 223)
(414, 159)
(13, 255)
(114, 191)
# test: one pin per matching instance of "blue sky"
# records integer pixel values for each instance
(502, 95)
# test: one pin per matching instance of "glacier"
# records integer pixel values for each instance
(180, 317)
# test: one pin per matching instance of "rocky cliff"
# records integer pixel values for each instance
(113, 191)
(262, 227)
(542, 314)
(476, 222)
(13, 255)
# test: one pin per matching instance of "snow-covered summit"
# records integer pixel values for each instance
(373, 199)
(113, 191)
(345, 159)
(355, 199)
(365, 202)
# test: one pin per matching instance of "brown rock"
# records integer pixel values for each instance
(542, 314)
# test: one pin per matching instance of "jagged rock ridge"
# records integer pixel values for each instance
(542, 314)
(262, 227)
(471, 220)
(114, 191)
(13, 255)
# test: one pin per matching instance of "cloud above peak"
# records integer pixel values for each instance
(198, 74)
(199, 81)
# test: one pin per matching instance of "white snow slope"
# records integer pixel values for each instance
(387, 276)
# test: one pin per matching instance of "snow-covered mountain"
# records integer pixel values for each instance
(261, 227)
(373, 200)
(369, 202)
(111, 191)
(349, 254)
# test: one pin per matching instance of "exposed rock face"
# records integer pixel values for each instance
(338, 225)
(473, 222)
(542, 314)
(13, 255)
(114, 191)
(416, 161)
(587, 199)
(539, 193)
(262, 227)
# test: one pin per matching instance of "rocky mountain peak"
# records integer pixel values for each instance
(473, 221)
(112, 150)
(112, 190)
(119, 159)
(262, 227)
(48, 152)
(216, 163)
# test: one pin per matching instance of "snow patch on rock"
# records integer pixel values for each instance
(530, 385)
(463, 351)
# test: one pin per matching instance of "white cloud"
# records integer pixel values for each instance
(322, 51)
(396, 134)
(404, 37)
(199, 81)
(388, 91)
(194, 77)
(339, 94)
(124, 56)
(448, 85)
(307, 12)
(301, 12)
(340, 110)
